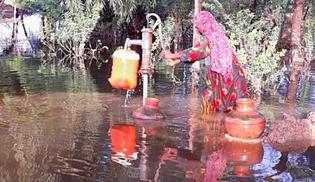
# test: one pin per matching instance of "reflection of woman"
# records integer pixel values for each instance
(215, 166)
(225, 77)
(213, 154)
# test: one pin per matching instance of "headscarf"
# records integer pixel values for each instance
(221, 54)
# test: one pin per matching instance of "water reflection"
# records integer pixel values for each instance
(59, 125)
(123, 139)
(311, 88)
(243, 155)
(49, 135)
(73, 167)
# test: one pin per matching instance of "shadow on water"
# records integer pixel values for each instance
(60, 125)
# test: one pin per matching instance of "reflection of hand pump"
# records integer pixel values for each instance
(122, 75)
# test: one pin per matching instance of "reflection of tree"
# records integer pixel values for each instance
(51, 131)
(296, 169)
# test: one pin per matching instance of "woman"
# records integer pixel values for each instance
(225, 78)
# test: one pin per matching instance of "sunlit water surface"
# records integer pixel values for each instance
(60, 125)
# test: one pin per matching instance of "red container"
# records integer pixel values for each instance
(244, 121)
(151, 103)
(243, 155)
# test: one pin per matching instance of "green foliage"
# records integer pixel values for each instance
(254, 39)
(78, 22)
(168, 10)
(309, 34)
(222, 8)
(69, 23)
(215, 7)
(68, 36)
(124, 9)
(54, 9)
(167, 36)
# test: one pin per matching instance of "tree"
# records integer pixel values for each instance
(124, 9)
(297, 55)
(15, 25)
(74, 30)
(196, 65)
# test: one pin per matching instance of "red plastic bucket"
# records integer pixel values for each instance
(152, 103)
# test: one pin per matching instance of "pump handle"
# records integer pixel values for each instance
(157, 23)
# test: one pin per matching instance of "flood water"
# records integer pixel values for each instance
(61, 125)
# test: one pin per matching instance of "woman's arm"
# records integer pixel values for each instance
(198, 52)
(169, 55)
(171, 58)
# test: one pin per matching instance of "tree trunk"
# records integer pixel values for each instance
(197, 10)
(178, 36)
(253, 5)
(45, 28)
(46, 34)
(284, 41)
(196, 65)
(296, 50)
(80, 55)
(25, 32)
(136, 24)
(15, 30)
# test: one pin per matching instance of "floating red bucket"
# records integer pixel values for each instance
(150, 110)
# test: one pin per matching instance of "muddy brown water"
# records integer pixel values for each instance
(61, 125)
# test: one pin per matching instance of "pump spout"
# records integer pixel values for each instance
(130, 42)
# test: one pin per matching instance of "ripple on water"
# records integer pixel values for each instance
(54, 125)
(73, 167)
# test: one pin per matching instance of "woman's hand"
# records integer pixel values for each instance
(172, 62)
(170, 58)
(167, 54)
